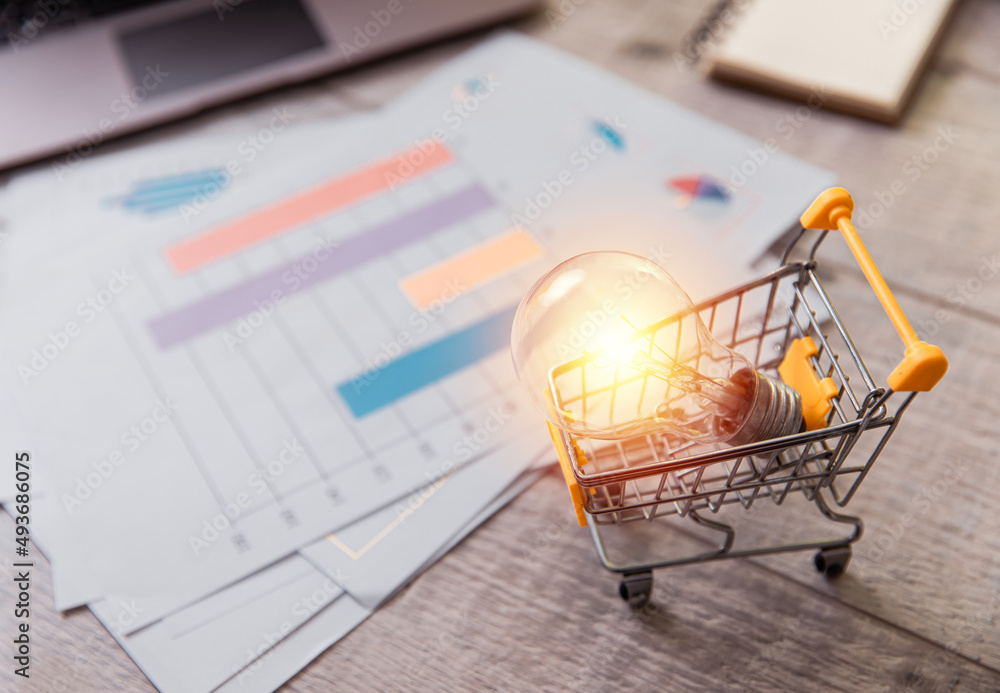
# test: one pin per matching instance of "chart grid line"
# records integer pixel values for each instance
(157, 386)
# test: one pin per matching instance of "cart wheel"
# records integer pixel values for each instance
(636, 589)
(833, 562)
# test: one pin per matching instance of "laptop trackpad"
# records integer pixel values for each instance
(236, 37)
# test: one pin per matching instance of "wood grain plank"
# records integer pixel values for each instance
(928, 559)
(524, 605)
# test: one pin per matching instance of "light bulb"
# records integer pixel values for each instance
(608, 346)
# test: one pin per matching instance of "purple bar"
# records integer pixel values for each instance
(214, 311)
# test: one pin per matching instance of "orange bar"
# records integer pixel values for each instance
(292, 211)
(471, 268)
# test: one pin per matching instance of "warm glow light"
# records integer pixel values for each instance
(616, 346)
(620, 348)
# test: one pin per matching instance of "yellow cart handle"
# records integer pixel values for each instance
(924, 364)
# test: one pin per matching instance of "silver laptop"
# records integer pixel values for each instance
(75, 73)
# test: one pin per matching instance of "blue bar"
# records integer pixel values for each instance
(183, 180)
(428, 364)
(155, 195)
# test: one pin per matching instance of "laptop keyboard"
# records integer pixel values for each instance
(24, 21)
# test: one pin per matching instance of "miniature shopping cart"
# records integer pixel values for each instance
(798, 337)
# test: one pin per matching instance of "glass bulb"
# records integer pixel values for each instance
(609, 346)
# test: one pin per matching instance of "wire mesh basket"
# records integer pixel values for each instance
(786, 323)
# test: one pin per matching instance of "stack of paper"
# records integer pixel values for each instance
(269, 372)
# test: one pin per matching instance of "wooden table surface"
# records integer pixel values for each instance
(523, 605)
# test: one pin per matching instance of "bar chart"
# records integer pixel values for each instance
(335, 349)
(216, 310)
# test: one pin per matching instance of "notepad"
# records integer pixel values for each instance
(860, 56)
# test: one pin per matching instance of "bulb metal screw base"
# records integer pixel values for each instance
(776, 410)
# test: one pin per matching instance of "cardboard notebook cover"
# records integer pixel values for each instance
(864, 57)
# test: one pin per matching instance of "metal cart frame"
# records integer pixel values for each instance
(662, 476)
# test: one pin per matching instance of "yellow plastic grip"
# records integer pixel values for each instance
(816, 393)
(924, 364)
(575, 492)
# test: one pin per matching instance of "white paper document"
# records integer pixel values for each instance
(373, 558)
(199, 648)
(239, 630)
(224, 456)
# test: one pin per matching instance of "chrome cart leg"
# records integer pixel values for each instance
(636, 588)
(833, 562)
